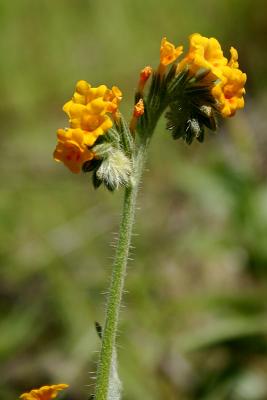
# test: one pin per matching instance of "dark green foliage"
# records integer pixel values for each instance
(191, 108)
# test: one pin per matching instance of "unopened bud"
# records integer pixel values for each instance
(144, 76)
(139, 109)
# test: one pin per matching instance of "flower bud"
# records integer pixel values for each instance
(144, 76)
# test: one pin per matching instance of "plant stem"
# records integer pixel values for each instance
(118, 278)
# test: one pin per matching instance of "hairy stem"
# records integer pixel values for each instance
(118, 278)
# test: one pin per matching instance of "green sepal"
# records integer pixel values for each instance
(192, 106)
(90, 165)
(126, 138)
(96, 181)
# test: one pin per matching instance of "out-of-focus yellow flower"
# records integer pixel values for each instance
(203, 53)
(44, 393)
(71, 149)
(229, 92)
(168, 52)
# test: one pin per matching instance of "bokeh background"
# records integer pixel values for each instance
(195, 322)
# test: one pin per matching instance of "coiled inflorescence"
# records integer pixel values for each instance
(194, 92)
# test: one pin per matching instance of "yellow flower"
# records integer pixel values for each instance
(233, 63)
(87, 112)
(228, 81)
(91, 118)
(168, 52)
(44, 393)
(203, 53)
(98, 100)
(113, 98)
(230, 90)
(71, 149)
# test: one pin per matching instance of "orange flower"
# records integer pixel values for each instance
(233, 63)
(229, 92)
(87, 112)
(71, 149)
(168, 52)
(139, 108)
(144, 76)
(228, 81)
(137, 113)
(203, 53)
(44, 393)
(113, 98)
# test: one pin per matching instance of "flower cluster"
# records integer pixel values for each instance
(203, 85)
(88, 116)
(228, 80)
(44, 392)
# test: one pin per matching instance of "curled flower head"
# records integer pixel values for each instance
(168, 52)
(203, 53)
(226, 81)
(71, 149)
(44, 393)
(230, 91)
(89, 113)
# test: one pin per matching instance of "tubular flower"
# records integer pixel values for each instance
(168, 52)
(203, 53)
(72, 149)
(113, 98)
(226, 80)
(44, 393)
(229, 92)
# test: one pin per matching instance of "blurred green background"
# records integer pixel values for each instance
(195, 322)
